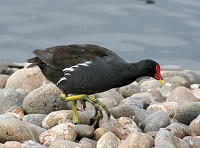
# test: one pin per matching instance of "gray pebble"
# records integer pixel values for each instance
(155, 121)
(165, 139)
(84, 130)
(9, 98)
(31, 144)
(188, 112)
(194, 142)
(43, 100)
(34, 119)
(88, 143)
(129, 90)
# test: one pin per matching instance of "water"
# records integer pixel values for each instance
(167, 31)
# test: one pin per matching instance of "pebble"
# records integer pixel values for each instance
(196, 93)
(166, 90)
(179, 130)
(123, 126)
(181, 95)
(135, 113)
(9, 98)
(129, 90)
(84, 130)
(171, 68)
(194, 86)
(112, 93)
(34, 119)
(194, 142)
(109, 139)
(177, 81)
(16, 130)
(99, 132)
(12, 144)
(3, 80)
(156, 94)
(169, 107)
(88, 143)
(32, 79)
(188, 112)
(165, 138)
(195, 126)
(43, 100)
(155, 121)
(31, 144)
(152, 83)
(63, 131)
(137, 140)
(16, 111)
(65, 144)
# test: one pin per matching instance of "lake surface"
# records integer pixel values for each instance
(167, 31)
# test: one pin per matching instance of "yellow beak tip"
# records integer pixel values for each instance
(161, 82)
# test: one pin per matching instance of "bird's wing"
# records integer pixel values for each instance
(60, 57)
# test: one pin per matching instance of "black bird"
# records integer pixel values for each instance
(86, 69)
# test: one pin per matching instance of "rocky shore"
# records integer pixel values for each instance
(145, 113)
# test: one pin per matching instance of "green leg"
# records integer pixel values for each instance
(75, 112)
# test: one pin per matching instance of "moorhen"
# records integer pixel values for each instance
(86, 69)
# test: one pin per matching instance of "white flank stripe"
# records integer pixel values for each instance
(62, 79)
(67, 74)
(69, 69)
(83, 64)
(75, 66)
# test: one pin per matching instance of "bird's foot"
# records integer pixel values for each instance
(98, 105)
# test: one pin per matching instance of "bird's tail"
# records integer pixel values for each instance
(34, 62)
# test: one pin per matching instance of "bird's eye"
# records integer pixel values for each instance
(150, 67)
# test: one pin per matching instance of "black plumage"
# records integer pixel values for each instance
(88, 69)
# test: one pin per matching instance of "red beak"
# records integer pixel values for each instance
(158, 76)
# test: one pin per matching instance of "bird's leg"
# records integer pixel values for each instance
(92, 100)
(96, 101)
(74, 99)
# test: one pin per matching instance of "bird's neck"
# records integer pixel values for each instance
(129, 72)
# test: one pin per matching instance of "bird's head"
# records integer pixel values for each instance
(152, 69)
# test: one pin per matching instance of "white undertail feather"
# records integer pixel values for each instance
(71, 69)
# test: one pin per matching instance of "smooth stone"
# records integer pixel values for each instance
(194, 86)
(112, 93)
(155, 121)
(39, 129)
(123, 126)
(3, 80)
(156, 94)
(12, 144)
(137, 140)
(109, 139)
(16, 111)
(193, 77)
(99, 132)
(32, 79)
(177, 81)
(7, 117)
(196, 93)
(106, 122)
(34, 119)
(181, 95)
(88, 143)
(31, 144)
(188, 112)
(150, 84)
(195, 126)
(17, 130)
(43, 100)
(179, 130)
(169, 107)
(129, 90)
(171, 68)
(135, 113)
(165, 139)
(9, 98)
(84, 130)
(64, 144)
(141, 100)
(63, 131)
(194, 142)
(166, 90)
